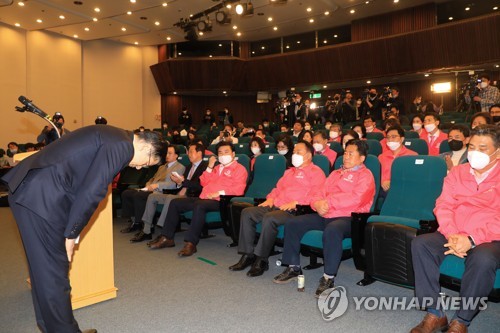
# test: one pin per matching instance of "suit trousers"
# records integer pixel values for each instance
(134, 203)
(155, 199)
(481, 264)
(44, 244)
(271, 219)
(334, 231)
(181, 205)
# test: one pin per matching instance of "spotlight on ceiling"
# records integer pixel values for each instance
(223, 17)
(244, 9)
(205, 25)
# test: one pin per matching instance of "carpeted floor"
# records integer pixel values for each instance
(159, 292)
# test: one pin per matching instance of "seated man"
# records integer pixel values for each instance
(468, 213)
(346, 190)
(370, 125)
(320, 144)
(227, 178)
(226, 135)
(187, 185)
(432, 135)
(395, 138)
(293, 189)
(458, 138)
(335, 132)
(134, 200)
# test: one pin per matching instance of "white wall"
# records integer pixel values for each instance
(82, 80)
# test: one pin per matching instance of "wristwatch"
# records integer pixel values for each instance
(472, 243)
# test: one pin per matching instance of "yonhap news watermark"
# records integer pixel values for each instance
(334, 302)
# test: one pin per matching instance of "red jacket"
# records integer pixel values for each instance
(467, 208)
(297, 184)
(232, 180)
(347, 191)
(330, 154)
(434, 148)
(387, 157)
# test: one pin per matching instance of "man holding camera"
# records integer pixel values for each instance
(226, 135)
(372, 105)
(488, 95)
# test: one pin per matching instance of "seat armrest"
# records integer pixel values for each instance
(258, 201)
(358, 224)
(427, 227)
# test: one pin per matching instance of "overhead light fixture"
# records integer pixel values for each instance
(129, 13)
(244, 9)
(275, 28)
(39, 21)
(353, 11)
(21, 3)
(311, 20)
(467, 8)
(169, 38)
(17, 24)
(222, 17)
(97, 10)
(164, 4)
(205, 25)
(495, 8)
(62, 17)
(368, 82)
(95, 19)
(327, 13)
(450, 18)
(87, 29)
(309, 9)
(157, 23)
(124, 29)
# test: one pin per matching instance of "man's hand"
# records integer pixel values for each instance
(321, 207)
(477, 99)
(458, 244)
(449, 163)
(289, 206)
(386, 184)
(268, 203)
(70, 245)
(211, 161)
(152, 187)
(213, 195)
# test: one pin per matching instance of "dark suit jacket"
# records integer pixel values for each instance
(66, 181)
(193, 186)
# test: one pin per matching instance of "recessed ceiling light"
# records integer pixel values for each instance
(75, 36)
(169, 38)
(175, 92)
(368, 82)
(39, 20)
(263, 47)
(17, 24)
(367, 2)
(497, 66)
(275, 28)
(396, 1)
(164, 4)
(238, 34)
(133, 1)
(495, 8)
(426, 75)
(179, 54)
(210, 56)
(97, 10)
(136, 43)
(450, 18)
(229, 6)
(327, 13)
(467, 8)
(224, 92)
(269, 19)
(235, 27)
(325, 41)
(324, 87)
(288, 46)
(95, 19)
(62, 17)
(124, 29)
(129, 13)
(352, 11)
(335, 36)
(311, 20)
(20, 3)
(157, 23)
(190, 15)
(86, 29)
(253, 52)
(309, 9)
(220, 45)
(298, 42)
(200, 33)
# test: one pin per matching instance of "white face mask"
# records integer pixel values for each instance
(417, 126)
(479, 160)
(297, 160)
(13, 151)
(369, 129)
(483, 85)
(225, 159)
(393, 145)
(318, 146)
(255, 150)
(327, 126)
(430, 127)
(334, 134)
(307, 128)
(283, 151)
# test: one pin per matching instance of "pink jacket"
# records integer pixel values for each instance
(467, 208)
(232, 180)
(330, 154)
(387, 157)
(297, 185)
(347, 191)
(434, 148)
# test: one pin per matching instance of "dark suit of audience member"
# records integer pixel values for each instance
(185, 119)
(52, 195)
(225, 117)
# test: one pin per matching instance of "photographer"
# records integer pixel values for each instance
(372, 105)
(58, 120)
(296, 110)
(348, 109)
(416, 106)
(394, 99)
(226, 135)
(208, 118)
(225, 117)
(488, 95)
(185, 118)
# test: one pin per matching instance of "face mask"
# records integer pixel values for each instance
(479, 160)
(283, 131)
(318, 146)
(255, 150)
(307, 128)
(483, 85)
(297, 160)
(393, 145)
(334, 134)
(225, 159)
(369, 128)
(455, 145)
(496, 119)
(327, 126)
(165, 126)
(373, 95)
(13, 151)
(430, 127)
(283, 152)
(266, 125)
(416, 126)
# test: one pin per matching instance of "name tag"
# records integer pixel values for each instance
(419, 161)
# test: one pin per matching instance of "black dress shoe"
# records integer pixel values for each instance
(288, 275)
(258, 268)
(324, 284)
(140, 237)
(245, 261)
(131, 228)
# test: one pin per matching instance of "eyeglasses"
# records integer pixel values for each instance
(393, 137)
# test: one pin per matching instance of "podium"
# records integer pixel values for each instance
(92, 269)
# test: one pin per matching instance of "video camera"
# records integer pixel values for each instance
(471, 85)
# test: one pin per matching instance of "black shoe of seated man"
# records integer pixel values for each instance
(288, 275)
(92, 330)
(131, 228)
(245, 261)
(324, 284)
(140, 237)
(258, 268)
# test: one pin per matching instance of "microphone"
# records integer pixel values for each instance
(29, 106)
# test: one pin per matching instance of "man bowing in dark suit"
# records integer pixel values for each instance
(53, 194)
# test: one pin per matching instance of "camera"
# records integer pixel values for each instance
(290, 95)
(226, 134)
(365, 93)
(472, 86)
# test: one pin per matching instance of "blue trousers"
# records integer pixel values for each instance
(334, 231)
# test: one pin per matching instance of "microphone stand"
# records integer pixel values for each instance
(30, 107)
